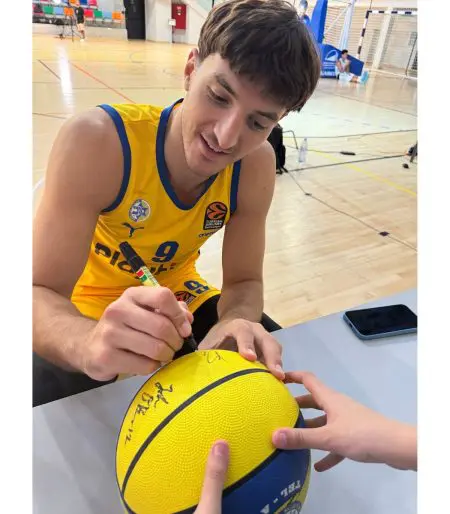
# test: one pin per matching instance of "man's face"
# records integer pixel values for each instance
(224, 116)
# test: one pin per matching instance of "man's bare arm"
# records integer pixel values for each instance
(244, 241)
(83, 177)
(241, 303)
(144, 326)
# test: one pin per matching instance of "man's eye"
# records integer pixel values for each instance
(217, 98)
(254, 125)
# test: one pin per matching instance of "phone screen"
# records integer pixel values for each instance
(381, 320)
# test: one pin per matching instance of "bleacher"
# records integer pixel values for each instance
(47, 11)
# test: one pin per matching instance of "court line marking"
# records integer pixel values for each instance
(351, 216)
(341, 163)
(161, 88)
(371, 175)
(101, 82)
(38, 184)
(363, 134)
(49, 69)
(49, 115)
(365, 103)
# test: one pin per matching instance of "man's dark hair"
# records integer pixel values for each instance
(265, 41)
(344, 52)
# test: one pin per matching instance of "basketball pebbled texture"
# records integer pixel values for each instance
(177, 415)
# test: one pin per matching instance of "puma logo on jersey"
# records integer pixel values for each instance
(131, 229)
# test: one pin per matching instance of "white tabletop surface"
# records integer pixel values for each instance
(74, 438)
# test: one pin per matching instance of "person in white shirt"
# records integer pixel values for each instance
(343, 70)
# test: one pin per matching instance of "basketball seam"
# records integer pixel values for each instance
(172, 415)
(240, 482)
(250, 474)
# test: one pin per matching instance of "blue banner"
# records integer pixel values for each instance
(328, 57)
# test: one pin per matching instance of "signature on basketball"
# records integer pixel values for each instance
(212, 356)
(146, 402)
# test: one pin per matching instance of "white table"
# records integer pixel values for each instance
(74, 438)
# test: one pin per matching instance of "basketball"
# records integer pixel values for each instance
(177, 415)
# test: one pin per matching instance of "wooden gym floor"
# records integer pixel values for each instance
(324, 250)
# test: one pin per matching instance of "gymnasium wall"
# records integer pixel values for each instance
(372, 4)
(110, 5)
(400, 39)
(157, 15)
(399, 43)
(197, 10)
(102, 32)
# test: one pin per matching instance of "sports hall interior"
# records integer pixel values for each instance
(342, 229)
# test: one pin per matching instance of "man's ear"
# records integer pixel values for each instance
(190, 68)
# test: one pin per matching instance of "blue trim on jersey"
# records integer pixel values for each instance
(266, 483)
(162, 166)
(126, 151)
(234, 186)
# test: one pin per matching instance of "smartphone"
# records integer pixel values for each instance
(377, 322)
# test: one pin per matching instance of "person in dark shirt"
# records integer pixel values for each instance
(79, 13)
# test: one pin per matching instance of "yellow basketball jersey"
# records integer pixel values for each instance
(165, 232)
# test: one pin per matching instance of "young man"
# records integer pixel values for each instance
(343, 70)
(79, 13)
(166, 180)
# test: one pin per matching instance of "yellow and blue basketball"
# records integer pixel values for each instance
(177, 415)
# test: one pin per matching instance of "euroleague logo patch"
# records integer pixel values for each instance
(185, 296)
(139, 211)
(215, 215)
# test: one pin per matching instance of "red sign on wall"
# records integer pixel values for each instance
(179, 15)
